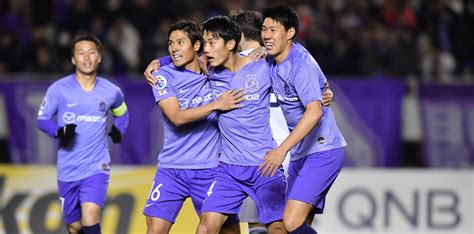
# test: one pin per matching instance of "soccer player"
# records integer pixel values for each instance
(315, 142)
(189, 158)
(246, 134)
(79, 103)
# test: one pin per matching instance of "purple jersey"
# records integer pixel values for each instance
(195, 145)
(66, 100)
(246, 133)
(298, 81)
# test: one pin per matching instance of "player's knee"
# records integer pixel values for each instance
(203, 228)
(208, 227)
(89, 220)
(291, 223)
(157, 226)
(155, 229)
(90, 215)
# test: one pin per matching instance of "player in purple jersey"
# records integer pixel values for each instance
(315, 142)
(79, 103)
(188, 160)
(246, 134)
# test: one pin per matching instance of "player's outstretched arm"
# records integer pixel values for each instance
(308, 121)
(227, 101)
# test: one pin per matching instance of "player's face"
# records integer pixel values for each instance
(86, 57)
(181, 49)
(216, 49)
(275, 37)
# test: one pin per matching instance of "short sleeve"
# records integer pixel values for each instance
(306, 83)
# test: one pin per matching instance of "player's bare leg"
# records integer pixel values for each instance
(157, 226)
(295, 214)
(90, 217)
(74, 228)
(210, 223)
(232, 229)
(276, 228)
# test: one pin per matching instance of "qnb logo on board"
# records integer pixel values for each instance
(70, 118)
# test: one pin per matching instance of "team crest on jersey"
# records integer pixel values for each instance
(161, 82)
(251, 84)
(102, 106)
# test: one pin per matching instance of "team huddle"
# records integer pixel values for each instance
(214, 92)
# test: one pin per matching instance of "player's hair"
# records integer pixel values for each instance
(87, 37)
(224, 27)
(283, 14)
(250, 22)
(193, 29)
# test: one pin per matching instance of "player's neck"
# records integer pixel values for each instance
(86, 81)
(279, 58)
(235, 62)
(193, 65)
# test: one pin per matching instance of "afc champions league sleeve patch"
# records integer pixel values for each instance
(43, 105)
(161, 83)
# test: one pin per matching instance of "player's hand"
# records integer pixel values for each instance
(272, 161)
(152, 66)
(203, 64)
(115, 135)
(66, 135)
(328, 96)
(258, 53)
(230, 100)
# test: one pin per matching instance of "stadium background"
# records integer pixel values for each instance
(401, 70)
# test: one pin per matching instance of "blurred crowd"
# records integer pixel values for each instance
(430, 39)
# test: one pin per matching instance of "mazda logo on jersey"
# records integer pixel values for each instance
(183, 103)
(216, 93)
(69, 117)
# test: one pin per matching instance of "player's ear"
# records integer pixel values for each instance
(197, 45)
(291, 33)
(100, 58)
(73, 60)
(231, 44)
